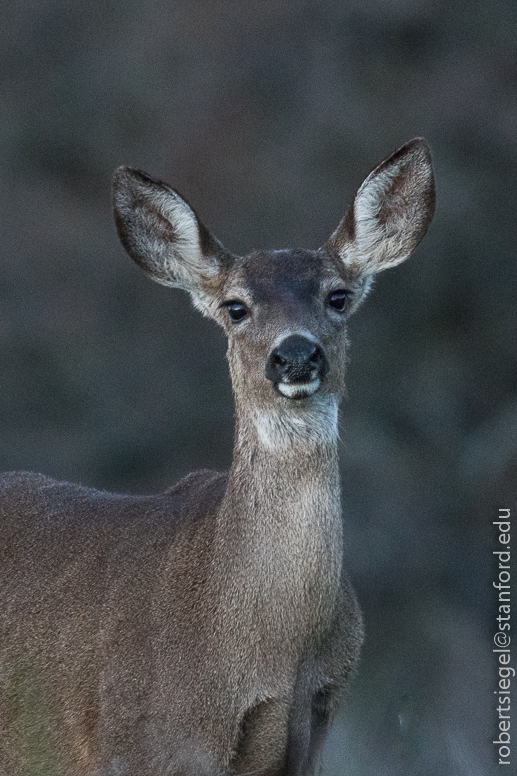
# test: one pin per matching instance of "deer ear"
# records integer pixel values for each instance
(390, 214)
(161, 232)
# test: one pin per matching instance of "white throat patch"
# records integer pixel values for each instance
(283, 429)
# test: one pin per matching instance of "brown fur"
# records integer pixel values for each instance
(207, 630)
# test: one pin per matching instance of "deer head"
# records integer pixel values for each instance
(284, 312)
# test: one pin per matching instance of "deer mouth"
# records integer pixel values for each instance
(298, 390)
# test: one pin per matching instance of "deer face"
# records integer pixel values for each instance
(284, 312)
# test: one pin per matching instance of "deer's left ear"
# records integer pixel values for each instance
(390, 214)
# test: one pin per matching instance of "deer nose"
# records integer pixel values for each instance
(296, 360)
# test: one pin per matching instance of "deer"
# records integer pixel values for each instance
(208, 630)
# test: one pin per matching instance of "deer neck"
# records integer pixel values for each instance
(280, 518)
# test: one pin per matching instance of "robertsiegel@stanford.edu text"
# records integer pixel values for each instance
(502, 639)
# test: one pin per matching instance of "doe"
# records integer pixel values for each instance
(207, 630)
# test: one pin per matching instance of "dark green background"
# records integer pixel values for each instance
(267, 116)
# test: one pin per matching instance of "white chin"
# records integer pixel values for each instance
(299, 390)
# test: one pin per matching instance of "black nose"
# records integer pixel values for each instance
(296, 360)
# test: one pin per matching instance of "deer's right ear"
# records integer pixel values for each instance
(161, 232)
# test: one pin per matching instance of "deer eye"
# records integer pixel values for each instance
(236, 310)
(337, 299)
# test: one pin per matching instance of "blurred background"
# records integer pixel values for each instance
(267, 116)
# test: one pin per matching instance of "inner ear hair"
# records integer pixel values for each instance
(390, 213)
(162, 233)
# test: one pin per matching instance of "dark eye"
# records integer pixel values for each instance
(236, 310)
(337, 299)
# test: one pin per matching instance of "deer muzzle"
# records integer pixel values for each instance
(297, 367)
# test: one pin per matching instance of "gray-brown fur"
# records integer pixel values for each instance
(208, 630)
